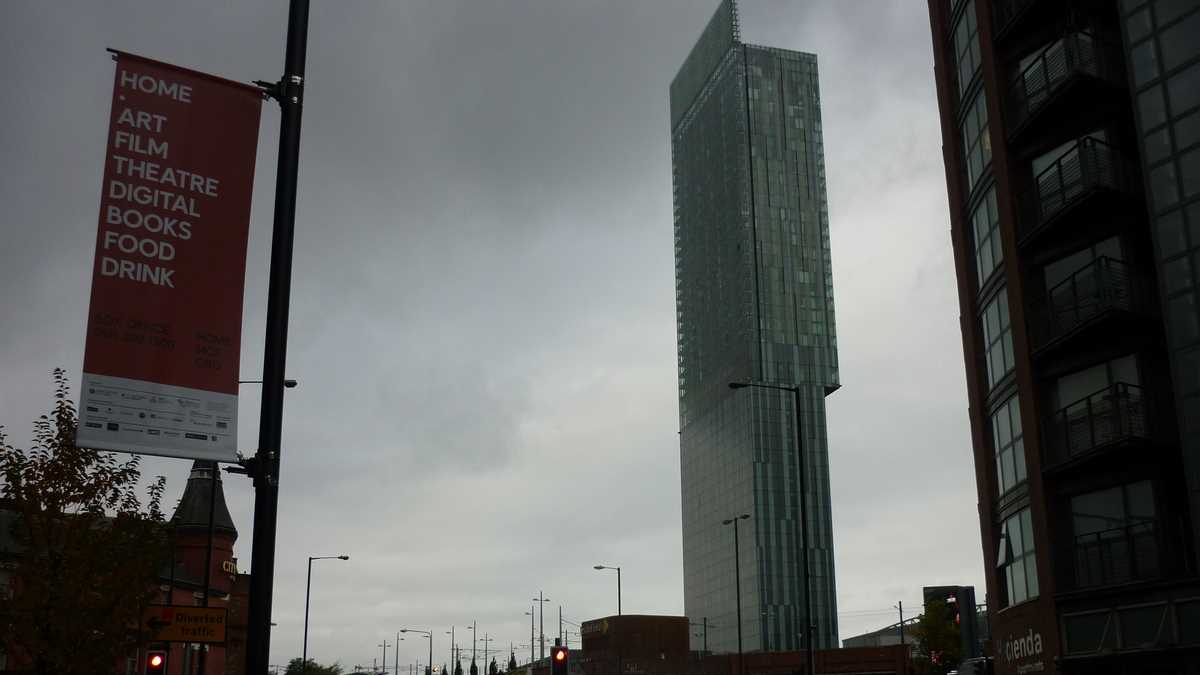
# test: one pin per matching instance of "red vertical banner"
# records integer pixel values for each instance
(160, 366)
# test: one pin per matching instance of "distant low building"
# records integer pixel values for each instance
(884, 637)
(658, 645)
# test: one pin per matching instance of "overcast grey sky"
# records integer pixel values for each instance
(483, 303)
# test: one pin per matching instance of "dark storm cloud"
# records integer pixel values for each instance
(483, 302)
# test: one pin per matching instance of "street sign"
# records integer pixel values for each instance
(184, 623)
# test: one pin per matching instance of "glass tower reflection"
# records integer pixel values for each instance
(754, 301)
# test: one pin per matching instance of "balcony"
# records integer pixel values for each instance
(1103, 289)
(1113, 417)
(1081, 176)
(1132, 552)
(1062, 70)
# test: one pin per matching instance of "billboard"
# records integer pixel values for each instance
(160, 365)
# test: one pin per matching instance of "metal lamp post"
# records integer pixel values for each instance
(808, 624)
(307, 593)
(618, 569)
(532, 642)
(428, 634)
(737, 583)
(541, 624)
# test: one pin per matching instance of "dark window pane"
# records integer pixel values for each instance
(1183, 320)
(1189, 172)
(1145, 63)
(1178, 274)
(1086, 633)
(1169, 10)
(1158, 146)
(1139, 25)
(1144, 627)
(1163, 186)
(1188, 615)
(1171, 240)
(1184, 89)
(1187, 130)
(1180, 42)
(1150, 104)
(1189, 371)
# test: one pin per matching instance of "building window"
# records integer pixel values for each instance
(1016, 560)
(1075, 388)
(1062, 174)
(997, 338)
(1086, 283)
(1094, 408)
(966, 47)
(1116, 535)
(1009, 444)
(986, 226)
(977, 146)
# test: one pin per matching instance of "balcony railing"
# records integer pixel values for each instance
(1132, 552)
(1087, 166)
(1103, 285)
(1115, 413)
(1076, 54)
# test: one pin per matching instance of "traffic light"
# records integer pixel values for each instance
(156, 663)
(558, 660)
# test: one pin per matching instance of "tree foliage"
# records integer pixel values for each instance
(88, 550)
(296, 667)
(940, 639)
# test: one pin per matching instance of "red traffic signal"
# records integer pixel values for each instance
(558, 660)
(156, 663)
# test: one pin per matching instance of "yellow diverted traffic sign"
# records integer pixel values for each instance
(183, 623)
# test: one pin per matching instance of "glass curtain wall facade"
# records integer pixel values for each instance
(754, 299)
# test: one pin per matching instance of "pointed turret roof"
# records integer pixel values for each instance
(192, 512)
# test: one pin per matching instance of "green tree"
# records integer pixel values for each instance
(88, 551)
(940, 640)
(296, 667)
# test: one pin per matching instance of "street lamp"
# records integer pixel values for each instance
(532, 642)
(307, 594)
(427, 634)
(541, 624)
(808, 624)
(737, 583)
(618, 569)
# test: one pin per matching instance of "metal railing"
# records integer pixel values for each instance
(1087, 165)
(1132, 552)
(1103, 285)
(1073, 54)
(1114, 413)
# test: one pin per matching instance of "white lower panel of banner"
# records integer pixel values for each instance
(149, 418)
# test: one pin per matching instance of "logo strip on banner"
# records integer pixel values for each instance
(161, 359)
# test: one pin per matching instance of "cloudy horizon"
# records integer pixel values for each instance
(483, 319)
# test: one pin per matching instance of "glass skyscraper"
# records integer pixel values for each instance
(754, 302)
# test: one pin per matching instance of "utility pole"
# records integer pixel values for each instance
(289, 92)
(900, 606)
(531, 640)
(541, 601)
